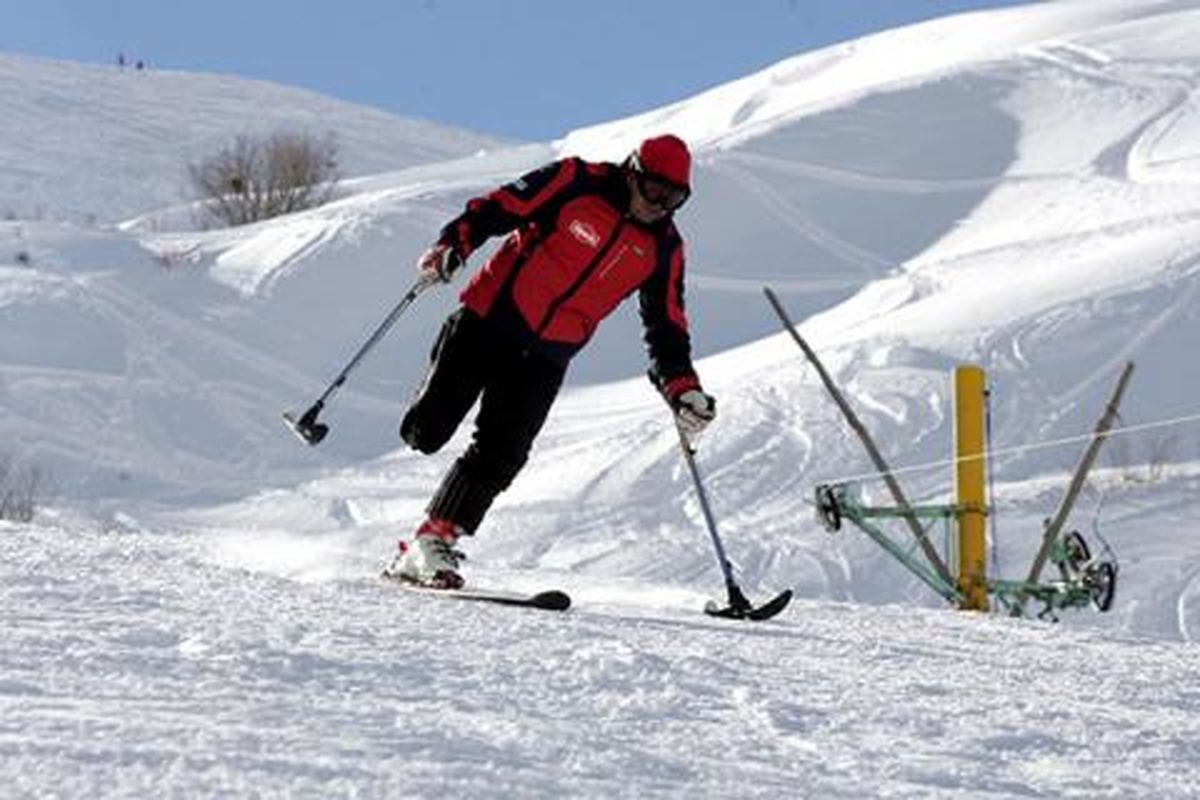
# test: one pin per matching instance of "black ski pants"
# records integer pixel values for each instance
(515, 388)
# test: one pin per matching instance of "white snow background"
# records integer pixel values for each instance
(195, 612)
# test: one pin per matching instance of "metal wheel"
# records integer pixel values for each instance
(1101, 581)
(1076, 551)
(828, 510)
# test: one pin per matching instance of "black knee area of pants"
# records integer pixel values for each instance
(463, 498)
(423, 437)
(457, 369)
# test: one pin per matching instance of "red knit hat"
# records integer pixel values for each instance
(667, 157)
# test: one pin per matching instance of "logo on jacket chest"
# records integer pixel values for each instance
(585, 232)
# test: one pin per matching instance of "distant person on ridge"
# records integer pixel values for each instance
(581, 237)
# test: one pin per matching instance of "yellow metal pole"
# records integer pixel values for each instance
(970, 387)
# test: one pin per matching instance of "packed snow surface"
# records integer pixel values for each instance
(196, 611)
(120, 679)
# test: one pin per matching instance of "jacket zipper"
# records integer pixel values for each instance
(557, 303)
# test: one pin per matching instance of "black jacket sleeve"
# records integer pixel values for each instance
(661, 305)
(508, 207)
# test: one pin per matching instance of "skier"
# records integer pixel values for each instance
(581, 237)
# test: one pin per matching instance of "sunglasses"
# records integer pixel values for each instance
(658, 191)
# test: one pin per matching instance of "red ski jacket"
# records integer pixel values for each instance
(571, 255)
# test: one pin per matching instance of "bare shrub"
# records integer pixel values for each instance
(1118, 454)
(21, 490)
(256, 178)
(1143, 457)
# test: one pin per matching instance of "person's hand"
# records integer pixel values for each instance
(440, 260)
(694, 410)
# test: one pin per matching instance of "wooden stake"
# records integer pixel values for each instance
(876, 457)
(1068, 502)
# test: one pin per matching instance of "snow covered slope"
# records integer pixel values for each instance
(1053, 160)
(1016, 188)
(86, 142)
(117, 679)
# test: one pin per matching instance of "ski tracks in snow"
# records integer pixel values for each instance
(791, 216)
(158, 355)
(1132, 158)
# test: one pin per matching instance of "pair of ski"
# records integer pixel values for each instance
(556, 600)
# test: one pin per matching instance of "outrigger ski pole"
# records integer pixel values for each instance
(306, 426)
(739, 607)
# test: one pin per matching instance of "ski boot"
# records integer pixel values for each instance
(430, 559)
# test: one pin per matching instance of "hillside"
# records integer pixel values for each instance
(94, 144)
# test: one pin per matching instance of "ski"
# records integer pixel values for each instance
(548, 600)
(743, 609)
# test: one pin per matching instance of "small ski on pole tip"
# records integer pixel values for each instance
(306, 426)
(740, 608)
